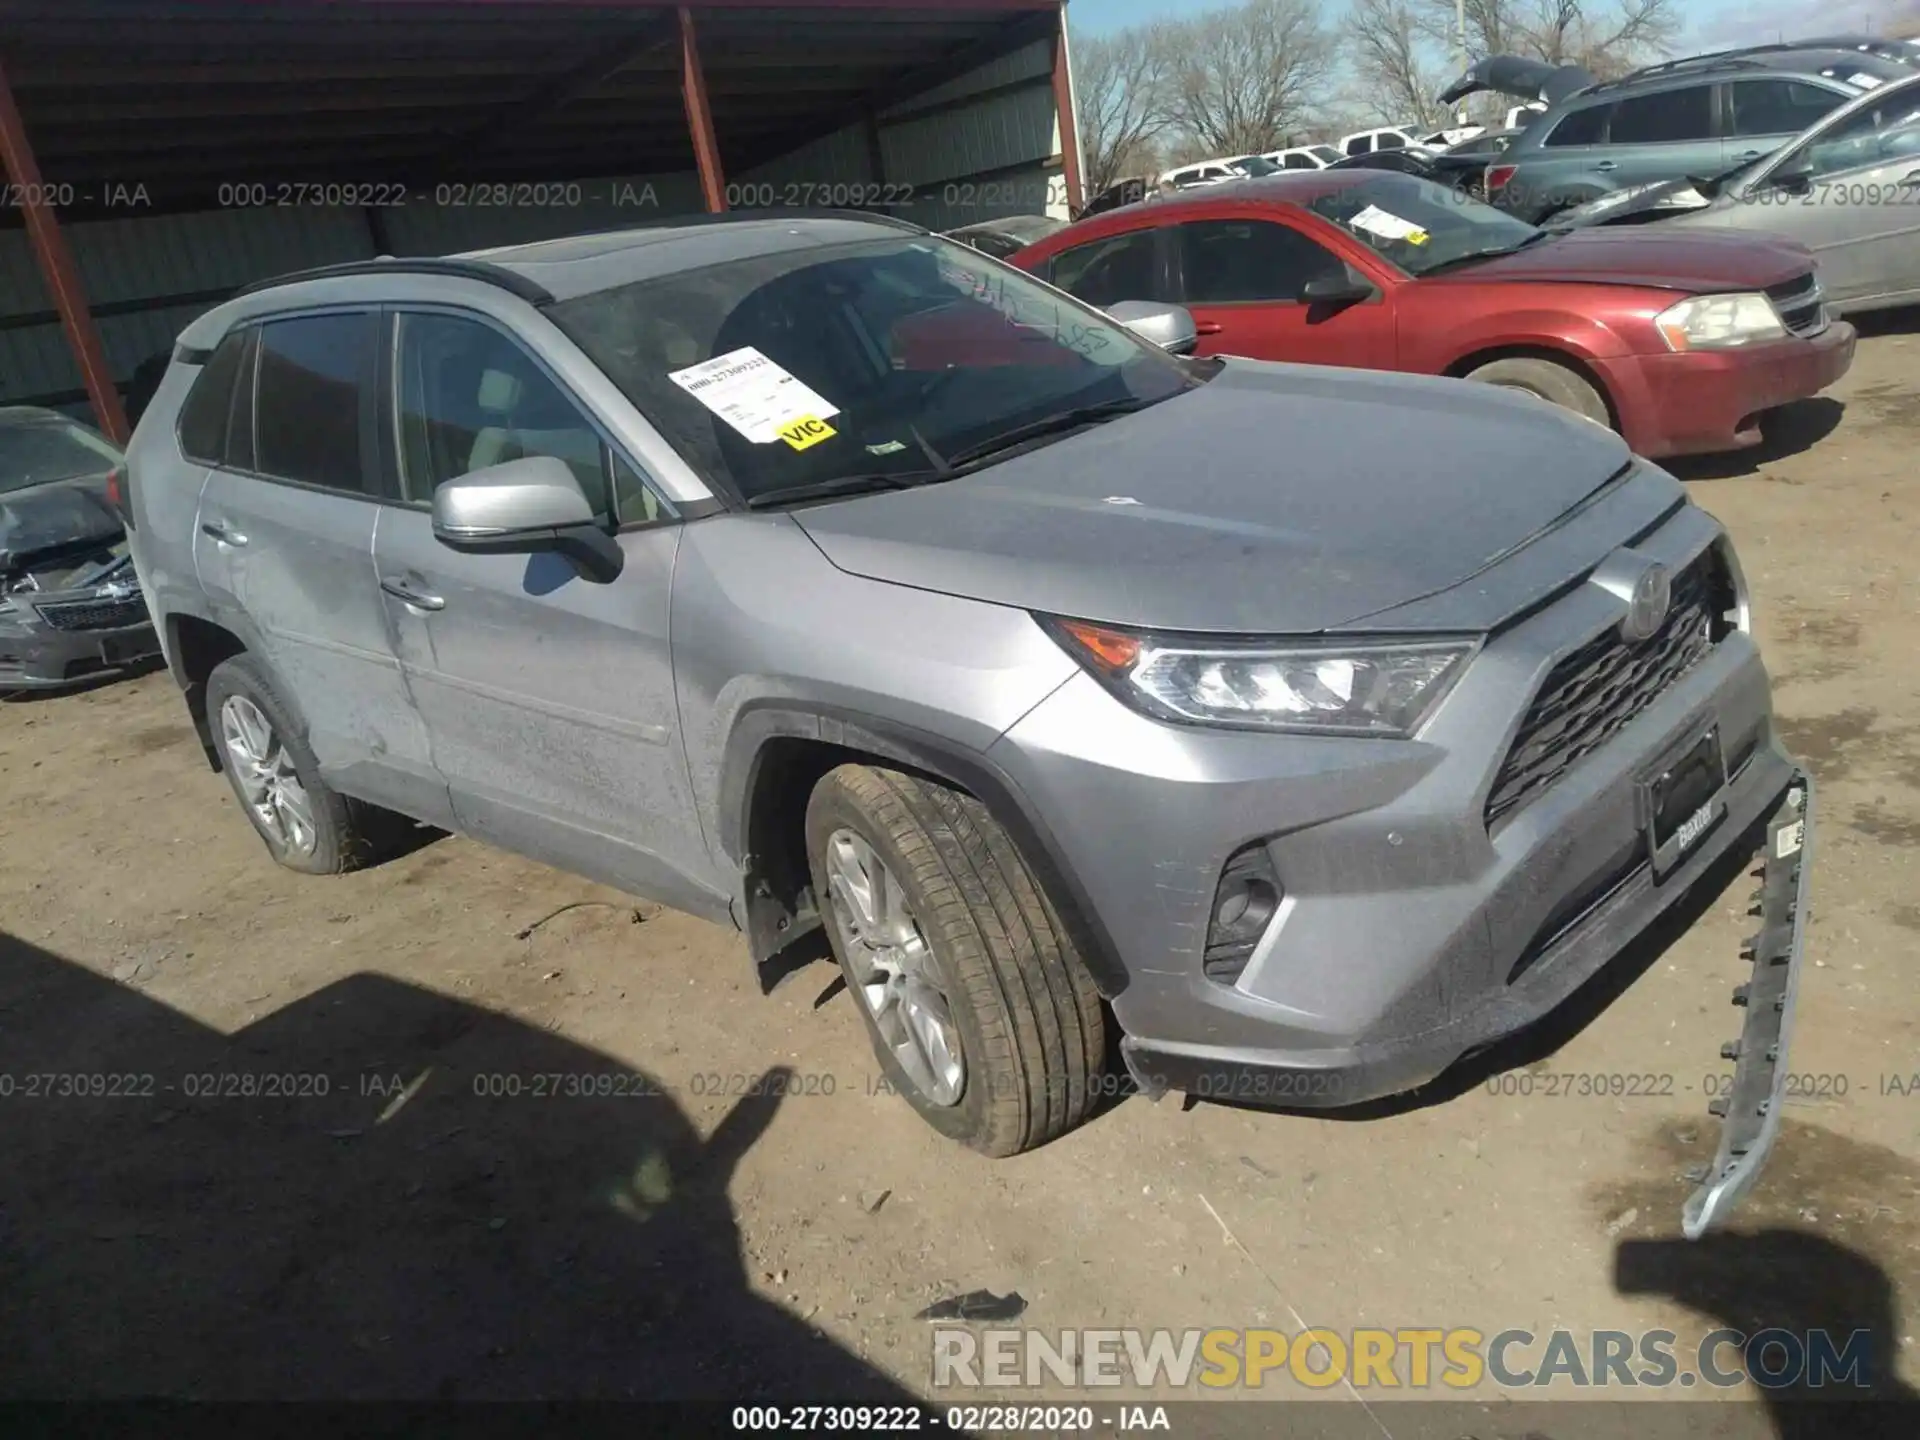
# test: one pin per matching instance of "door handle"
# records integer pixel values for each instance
(1207, 327)
(419, 599)
(223, 533)
(1606, 165)
(1747, 157)
(1912, 177)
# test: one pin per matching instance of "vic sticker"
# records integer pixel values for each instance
(807, 430)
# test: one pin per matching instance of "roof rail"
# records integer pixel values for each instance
(508, 280)
(773, 212)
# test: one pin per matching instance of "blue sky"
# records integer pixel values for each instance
(1711, 21)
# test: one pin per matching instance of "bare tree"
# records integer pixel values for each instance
(1606, 36)
(1388, 49)
(1244, 77)
(1121, 92)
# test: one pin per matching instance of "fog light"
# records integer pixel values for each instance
(1244, 904)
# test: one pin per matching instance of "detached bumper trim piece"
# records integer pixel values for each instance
(1751, 1107)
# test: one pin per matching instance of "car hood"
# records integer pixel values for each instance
(1277, 499)
(53, 517)
(1701, 262)
(1641, 203)
(1519, 76)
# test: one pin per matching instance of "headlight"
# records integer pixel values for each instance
(1719, 322)
(1336, 688)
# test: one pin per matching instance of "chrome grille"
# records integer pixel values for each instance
(1802, 304)
(104, 614)
(1593, 693)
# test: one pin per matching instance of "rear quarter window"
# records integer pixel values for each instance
(206, 417)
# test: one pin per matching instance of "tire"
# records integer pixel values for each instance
(1547, 380)
(1027, 1019)
(341, 834)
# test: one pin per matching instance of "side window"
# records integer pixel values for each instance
(1300, 162)
(208, 411)
(1664, 118)
(1582, 127)
(1105, 272)
(1227, 261)
(1778, 107)
(1359, 145)
(1391, 141)
(466, 397)
(315, 373)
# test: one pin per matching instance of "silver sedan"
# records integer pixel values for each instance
(1848, 189)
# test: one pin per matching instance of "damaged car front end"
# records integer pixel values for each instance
(71, 607)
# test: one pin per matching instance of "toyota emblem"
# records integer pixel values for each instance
(1647, 610)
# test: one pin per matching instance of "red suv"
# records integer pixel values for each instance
(1679, 341)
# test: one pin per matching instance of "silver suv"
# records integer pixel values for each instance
(1312, 728)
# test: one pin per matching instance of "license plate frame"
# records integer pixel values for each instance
(1683, 797)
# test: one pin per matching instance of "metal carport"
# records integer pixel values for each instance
(161, 153)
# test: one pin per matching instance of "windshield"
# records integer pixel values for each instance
(42, 449)
(1255, 165)
(882, 357)
(1886, 129)
(1420, 226)
(1326, 153)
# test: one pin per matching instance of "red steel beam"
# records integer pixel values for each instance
(706, 148)
(1069, 121)
(57, 268)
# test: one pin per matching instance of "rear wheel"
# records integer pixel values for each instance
(978, 1006)
(1546, 380)
(306, 824)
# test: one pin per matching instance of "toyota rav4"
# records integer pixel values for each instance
(1312, 728)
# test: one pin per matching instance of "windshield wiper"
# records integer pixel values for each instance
(865, 483)
(1494, 252)
(1055, 424)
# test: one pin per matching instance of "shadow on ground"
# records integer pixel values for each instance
(391, 1221)
(1799, 1283)
(1791, 430)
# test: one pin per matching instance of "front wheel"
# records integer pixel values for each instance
(1546, 380)
(977, 1003)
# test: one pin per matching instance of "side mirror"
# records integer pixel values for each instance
(1168, 326)
(1795, 177)
(1337, 287)
(522, 506)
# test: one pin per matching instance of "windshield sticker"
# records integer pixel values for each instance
(1864, 81)
(755, 396)
(1388, 226)
(807, 431)
(887, 447)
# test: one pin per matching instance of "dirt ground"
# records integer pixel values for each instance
(408, 1232)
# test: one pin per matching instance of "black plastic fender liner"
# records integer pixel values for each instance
(945, 759)
(1750, 1107)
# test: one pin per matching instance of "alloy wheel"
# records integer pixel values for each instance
(888, 955)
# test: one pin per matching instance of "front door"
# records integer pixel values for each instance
(1858, 209)
(1244, 280)
(548, 698)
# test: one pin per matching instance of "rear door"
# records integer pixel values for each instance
(1123, 265)
(284, 552)
(548, 698)
(1243, 278)
(1662, 135)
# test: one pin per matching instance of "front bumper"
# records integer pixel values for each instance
(1708, 401)
(35, 656)
(1412, 929)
